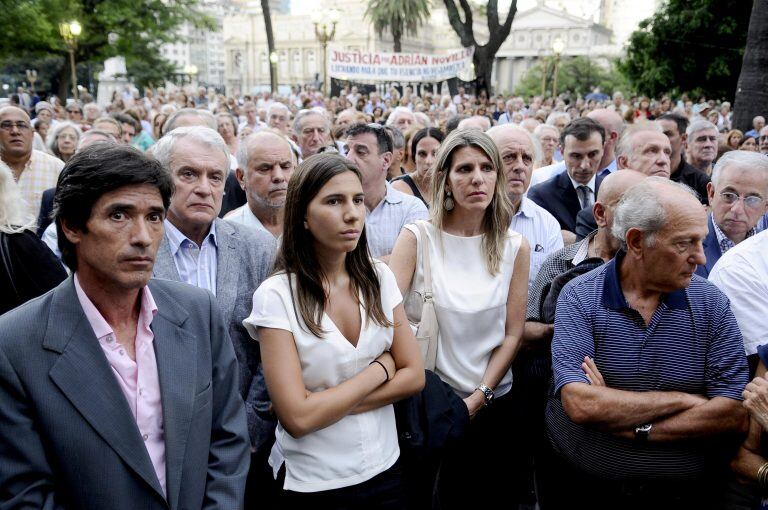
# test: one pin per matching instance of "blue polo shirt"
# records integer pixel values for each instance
(692, 344)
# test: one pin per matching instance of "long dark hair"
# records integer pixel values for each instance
(422, 134)
(297, 258)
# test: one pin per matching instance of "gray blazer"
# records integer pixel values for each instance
(69, 439)
(244, 260)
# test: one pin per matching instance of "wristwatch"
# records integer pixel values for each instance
(487, 393)
(643, 431)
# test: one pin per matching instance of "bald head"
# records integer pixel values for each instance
(613, 125)
(616, 184)
(476, 122)
(12, 109)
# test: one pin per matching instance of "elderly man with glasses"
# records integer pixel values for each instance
(33, 170)
(738, 195)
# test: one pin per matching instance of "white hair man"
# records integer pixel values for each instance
(279, 117)
(480, 122)
(402, 118)
(520, 151)
(701, 144)
(738, 196)
(225, 258)
(265, 163)
(645, 148)
(312, 131)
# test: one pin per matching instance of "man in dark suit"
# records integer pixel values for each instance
(227, 259)
(566, 194)
(738, 194)
(118, 391)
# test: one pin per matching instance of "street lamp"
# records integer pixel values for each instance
(32, 78)
(325, 30)
(273, 74)
(557, 46)
(70, 32)
(191, 71)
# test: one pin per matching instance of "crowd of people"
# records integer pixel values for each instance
(230, 302)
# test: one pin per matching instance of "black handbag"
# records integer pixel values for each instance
(5, 259)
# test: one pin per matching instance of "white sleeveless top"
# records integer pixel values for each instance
(471, 305)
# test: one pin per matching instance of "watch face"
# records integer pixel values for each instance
(644, 428)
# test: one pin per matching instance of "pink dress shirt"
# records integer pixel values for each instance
(137, 379)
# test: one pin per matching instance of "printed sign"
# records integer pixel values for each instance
(406, 67)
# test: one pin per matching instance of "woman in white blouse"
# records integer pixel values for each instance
(336, 348)
(479, 284)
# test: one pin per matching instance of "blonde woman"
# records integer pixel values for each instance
(479, 284)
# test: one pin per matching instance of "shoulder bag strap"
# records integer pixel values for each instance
(429, 302)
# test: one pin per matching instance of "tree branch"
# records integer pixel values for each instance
(492, 11)
(498, 33)
(463, 29)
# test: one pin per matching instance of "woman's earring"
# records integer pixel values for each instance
(448, 203)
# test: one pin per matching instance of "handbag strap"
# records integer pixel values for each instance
(424, 252)
(5, 255)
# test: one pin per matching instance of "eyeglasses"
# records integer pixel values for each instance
(75, 111)
(8, 125)
(752, 201)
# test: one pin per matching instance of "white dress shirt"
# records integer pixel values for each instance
(540, 229)
(196, 264)
(742, 274)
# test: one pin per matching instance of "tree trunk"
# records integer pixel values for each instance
(270, 43)
(483, 70)
(65, 81)
(751, 92)
(397, 36)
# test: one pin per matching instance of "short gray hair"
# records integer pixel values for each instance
(624, 146)
(303, 114)
(279, 106)
(398, 140)
(205, 115)
(641, 208)
(552, 118)
(748, 160)
(397, 111)
(163, 149)
(699, 125)
(535, 143)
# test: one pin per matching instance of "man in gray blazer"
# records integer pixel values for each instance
(229, 260)
(117, 391)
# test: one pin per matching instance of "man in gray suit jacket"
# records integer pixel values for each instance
(229, 260)
(117, 391)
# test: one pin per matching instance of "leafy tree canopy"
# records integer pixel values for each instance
(577, 75)
(135, 29)
(399, 17)
(689, 46)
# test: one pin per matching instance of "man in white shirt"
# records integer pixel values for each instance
(265, 164)
(389, 210)
(519, 151)
(742, 274)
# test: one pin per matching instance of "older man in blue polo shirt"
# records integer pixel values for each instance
(648, 367)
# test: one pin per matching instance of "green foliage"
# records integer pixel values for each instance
(139, 28)
(689, 46)
(577, 75)
(399, 17)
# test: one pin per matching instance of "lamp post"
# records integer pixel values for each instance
(557, 46)
(32, 78)
(191, 71)
(325, 30)
(273, 74)
(70, 32)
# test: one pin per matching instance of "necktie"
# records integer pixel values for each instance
(585, 196)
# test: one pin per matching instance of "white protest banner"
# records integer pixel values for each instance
(407, 67)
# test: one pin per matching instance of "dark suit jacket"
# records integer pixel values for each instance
(46, 209)
(244, 260)
(711, 251)
(69, 438)
(560, 199)
(585, 223)
(234, 196)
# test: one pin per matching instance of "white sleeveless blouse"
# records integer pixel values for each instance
(471, 305)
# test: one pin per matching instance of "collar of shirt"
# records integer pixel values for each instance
(590, 184)
(612, 167)
(100, 326)
(391, 197)
(613, 297)
(722, 240)
(176, 239)
(526, 208)
(582, 253)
